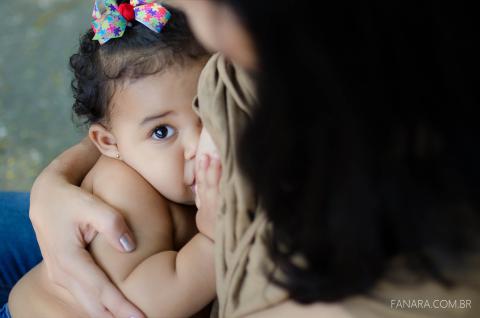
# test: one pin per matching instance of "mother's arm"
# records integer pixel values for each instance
(65, 219)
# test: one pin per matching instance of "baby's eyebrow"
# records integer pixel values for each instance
(153, 117)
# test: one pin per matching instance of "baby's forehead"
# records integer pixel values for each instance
(152, 95)
(171, 90)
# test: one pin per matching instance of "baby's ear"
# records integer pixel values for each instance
(104, 140)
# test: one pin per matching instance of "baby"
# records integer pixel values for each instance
(136, 75)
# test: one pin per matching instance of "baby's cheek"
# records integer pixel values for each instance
(170, 181)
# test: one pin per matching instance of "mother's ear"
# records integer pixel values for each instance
(104, 140)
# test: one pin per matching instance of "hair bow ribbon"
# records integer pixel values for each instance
(111, 20)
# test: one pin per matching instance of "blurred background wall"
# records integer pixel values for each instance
(37, 38)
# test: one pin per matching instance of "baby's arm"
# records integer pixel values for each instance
(160, 281)
(171, 284)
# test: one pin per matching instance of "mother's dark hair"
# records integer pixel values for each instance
(365, 146)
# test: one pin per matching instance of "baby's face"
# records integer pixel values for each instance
(157, 131)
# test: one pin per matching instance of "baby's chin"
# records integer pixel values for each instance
(186, 198)
(189, 201)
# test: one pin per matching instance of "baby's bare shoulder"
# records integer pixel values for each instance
(126, 190)
(115, 173)
(110, 175)
(145, 210)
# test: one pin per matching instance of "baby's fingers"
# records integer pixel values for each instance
(201, 178)
(214, 172)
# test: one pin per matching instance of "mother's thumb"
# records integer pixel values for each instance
(111, 224)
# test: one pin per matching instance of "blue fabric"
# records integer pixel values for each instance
(19, 251)
(4, 313)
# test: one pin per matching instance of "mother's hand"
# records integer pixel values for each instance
(66, 218)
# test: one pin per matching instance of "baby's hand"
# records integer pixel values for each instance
(209, 171)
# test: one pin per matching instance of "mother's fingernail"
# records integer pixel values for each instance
(127, 243)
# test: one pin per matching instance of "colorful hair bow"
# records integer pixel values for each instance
(111, 20)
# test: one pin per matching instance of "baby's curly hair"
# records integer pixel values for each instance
(140, 52)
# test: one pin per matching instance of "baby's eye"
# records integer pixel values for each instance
(163, 132)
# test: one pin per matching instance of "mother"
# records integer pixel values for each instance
(360, 149)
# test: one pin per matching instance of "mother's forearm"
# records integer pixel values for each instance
(73, 164)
